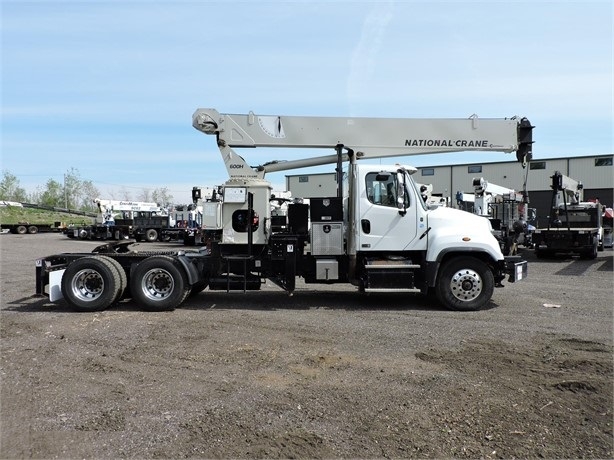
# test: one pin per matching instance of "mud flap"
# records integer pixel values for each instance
(55, 285)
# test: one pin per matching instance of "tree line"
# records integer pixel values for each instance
(73, 192)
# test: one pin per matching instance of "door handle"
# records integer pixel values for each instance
(366, 225)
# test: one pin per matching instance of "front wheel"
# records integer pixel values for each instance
(465, 284)
(159, 283)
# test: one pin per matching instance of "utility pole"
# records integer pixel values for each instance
(65, 194)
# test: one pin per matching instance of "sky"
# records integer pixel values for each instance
(109, 87)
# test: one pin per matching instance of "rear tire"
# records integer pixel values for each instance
(465, 284)
(32, 229)
(151, 235)
(159, 284)
(543, 253)
(123, 279)
(198, 288)
(591, 253)
(22, 230)
(91, 284)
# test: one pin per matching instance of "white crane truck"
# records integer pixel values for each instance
(574, 226)
(377, 234)
(507, 211)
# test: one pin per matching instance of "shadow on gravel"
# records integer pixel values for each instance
(261, 301)
(607, 265)
(33, 304)
(577, 267)
(349, 301)
(256, 300)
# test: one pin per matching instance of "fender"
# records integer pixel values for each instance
(190, 269)
(432, 266)
(455, 230)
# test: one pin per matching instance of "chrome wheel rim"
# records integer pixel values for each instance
(466, 285)
(157, 284)
(87, 285)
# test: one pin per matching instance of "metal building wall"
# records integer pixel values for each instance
(441, 180)
(592, 176)
(598, 181)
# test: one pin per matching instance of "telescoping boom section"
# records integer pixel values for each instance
(365, 137)
(377, 233)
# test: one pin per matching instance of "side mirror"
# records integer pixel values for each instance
(401, 194)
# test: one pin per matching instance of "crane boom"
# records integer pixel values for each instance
(364, 137)
(567, 190)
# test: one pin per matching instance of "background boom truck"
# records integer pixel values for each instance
(153, 226)
(115, 219)
(376, 234)
(183, 224)
(507, 211)
(608, 221)
(574, 226)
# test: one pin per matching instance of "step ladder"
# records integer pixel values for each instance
(390, 275)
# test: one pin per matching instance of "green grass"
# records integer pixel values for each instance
(16, 215)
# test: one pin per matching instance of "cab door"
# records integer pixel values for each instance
(387, 213)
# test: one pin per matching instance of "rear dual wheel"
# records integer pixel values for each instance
(151, 235)
(591, 253)
(93, 283)
(159, 283)
(541, 253)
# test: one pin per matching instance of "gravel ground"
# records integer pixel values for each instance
(327, 372)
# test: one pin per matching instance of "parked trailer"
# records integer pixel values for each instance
(27, 228)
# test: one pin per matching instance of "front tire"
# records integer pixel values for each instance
(91, 284)
(465, 284)
(159, 284)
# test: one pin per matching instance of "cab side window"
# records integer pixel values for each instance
(382, 189)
